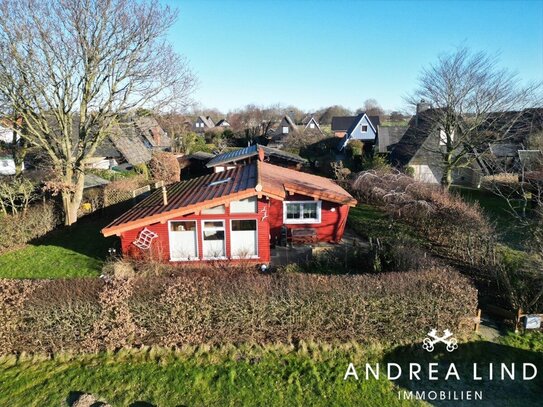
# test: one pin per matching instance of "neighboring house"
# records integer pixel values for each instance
(222, 123)
(287, 127)
(7, 166)
(309, 122)
(419, 145)
(418, 150)
(361, 127)
(203, 124)
(154, 137)
(122, 146)
(243, 156)
(233, 215)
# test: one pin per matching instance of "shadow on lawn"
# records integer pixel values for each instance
(496, 392)
(84, 236)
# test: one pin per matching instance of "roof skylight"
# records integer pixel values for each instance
(219, 182)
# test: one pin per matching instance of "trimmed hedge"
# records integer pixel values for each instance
(223, 306)
(22, 227)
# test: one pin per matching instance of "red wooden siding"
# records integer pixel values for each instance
(330, 229)
(160, 248)
(269, 221)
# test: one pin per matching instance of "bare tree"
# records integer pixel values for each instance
(472, 100)
(71, 68)
(371, 108)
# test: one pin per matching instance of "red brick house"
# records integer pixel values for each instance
(231, 215)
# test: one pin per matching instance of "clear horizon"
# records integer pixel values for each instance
(313, 54)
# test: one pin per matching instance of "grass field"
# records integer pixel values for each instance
(229, 376)
(76, 251)
(274, 375)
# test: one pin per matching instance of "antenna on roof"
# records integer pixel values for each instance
(165, 195)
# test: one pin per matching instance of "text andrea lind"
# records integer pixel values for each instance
(434, 372)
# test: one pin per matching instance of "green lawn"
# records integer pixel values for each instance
(498, 211)
(76, 251)
(278, 375)
(242, 376)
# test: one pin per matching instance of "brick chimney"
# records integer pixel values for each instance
(261, 154)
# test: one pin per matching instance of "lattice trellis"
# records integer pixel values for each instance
(144, 239)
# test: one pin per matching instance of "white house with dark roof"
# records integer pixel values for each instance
(203, 124)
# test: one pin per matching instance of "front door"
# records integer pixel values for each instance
(183, 240)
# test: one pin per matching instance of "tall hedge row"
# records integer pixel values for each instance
(219, 307)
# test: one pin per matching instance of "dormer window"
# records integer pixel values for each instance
(364, 128)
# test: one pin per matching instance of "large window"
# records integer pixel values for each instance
(183, 241)
(214, 240)
(302, 212)
(243, 239)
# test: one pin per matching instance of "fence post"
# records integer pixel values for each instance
(478, 320)
(517, 322)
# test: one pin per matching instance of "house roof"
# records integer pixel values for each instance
(207, 121)
(390, 135)
(346, 123)
(210, 190)
(420, 127)
(130, 145)
(152, 132)
(93, 180)
(307, 119)
(223, 122)
(201, 155)
(252, 151)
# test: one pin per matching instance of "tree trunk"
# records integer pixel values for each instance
(447, 177)
(71, 198)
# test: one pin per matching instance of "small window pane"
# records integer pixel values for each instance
(213, 224)
(310, 210)
(245, 224)
(293, 211)
(364, 128)
(183, 226)
(213, 234)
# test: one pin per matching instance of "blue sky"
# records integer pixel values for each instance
(317, 53)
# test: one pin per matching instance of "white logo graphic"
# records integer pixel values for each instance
(428, 343)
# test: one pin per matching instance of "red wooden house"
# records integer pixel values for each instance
(233, 214)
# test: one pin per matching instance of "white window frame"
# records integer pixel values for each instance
(256, 256)
(362, 128)
(285, 129)
(302, 221)
(197, 258)
(311, 125)
(202, 233)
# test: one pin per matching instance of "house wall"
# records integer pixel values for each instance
(330, 229)
(161, 245)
